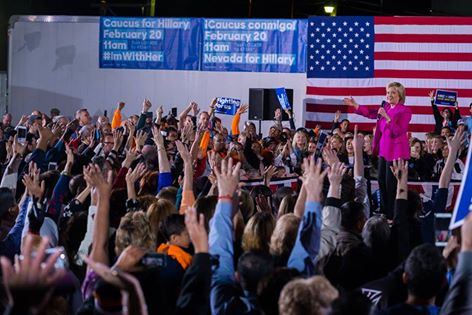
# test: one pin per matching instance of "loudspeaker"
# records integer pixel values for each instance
(264, 102)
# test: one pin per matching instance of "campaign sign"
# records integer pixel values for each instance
(254, 45)
(464, 198)
(446, 98)
(149, 43)
(283, 98)
(227, 105)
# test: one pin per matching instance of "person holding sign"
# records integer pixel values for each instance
(444, 118)
(390, 139)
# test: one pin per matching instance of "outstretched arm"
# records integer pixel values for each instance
(307, 243)
(360, 110)
(221, 234)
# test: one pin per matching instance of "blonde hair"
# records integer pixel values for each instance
(311, 296)
(157, 212)
(284, 235)
(258, 231)
(294, 142)
(400, 89)
(134, 229)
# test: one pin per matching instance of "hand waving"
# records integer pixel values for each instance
(313, 179)
(227, 177)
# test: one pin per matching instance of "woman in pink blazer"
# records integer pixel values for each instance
(390, 139)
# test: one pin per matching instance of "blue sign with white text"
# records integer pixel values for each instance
(283, 98)
(447, 98)
(149, 43)
(464, 199)
(254, 45)
(227, 106)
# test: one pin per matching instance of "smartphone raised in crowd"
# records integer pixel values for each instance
(21, 134)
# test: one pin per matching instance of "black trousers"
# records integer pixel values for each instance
(387, 186)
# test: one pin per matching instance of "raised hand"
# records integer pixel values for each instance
(129, 158)
(242, 109)
(131, 128)
(93, 176)
(91, 141)
(358, 141)
(400, 170)
(146, 105)
(32, 184)
(455, 144)
(313, 179)
(269, 172)
(157, 137)
(187, 131)
(330, 156)
(31, 281)
(213, 103)
(117, 139)
(336, 173)
(195, 108)
(349, 101)
(227, 177)
(196, 229)
(289, 113)
(140, 139)
(183, 151)
(337, 115)
(23, 120)
(134, 175)
(431, 94)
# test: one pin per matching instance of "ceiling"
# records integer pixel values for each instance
(250, 8)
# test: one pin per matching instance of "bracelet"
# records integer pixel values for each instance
(225, 197)
(65, 173)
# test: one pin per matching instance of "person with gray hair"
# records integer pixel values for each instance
(376, 232)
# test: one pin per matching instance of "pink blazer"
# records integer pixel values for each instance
(391, 138)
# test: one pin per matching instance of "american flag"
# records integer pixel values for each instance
(358, 56)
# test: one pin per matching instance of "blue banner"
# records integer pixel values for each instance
(464, 199)
(226, 105)
(447, 98)
(283, 98)
(254, 45)
(149, 43)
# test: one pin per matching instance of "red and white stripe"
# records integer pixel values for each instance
(423, 53)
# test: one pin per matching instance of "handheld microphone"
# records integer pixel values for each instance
(383, 106)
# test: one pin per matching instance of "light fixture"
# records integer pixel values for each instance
(329, 9)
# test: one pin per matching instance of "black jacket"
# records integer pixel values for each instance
(195, 295)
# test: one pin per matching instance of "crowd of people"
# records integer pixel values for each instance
(154, 214)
